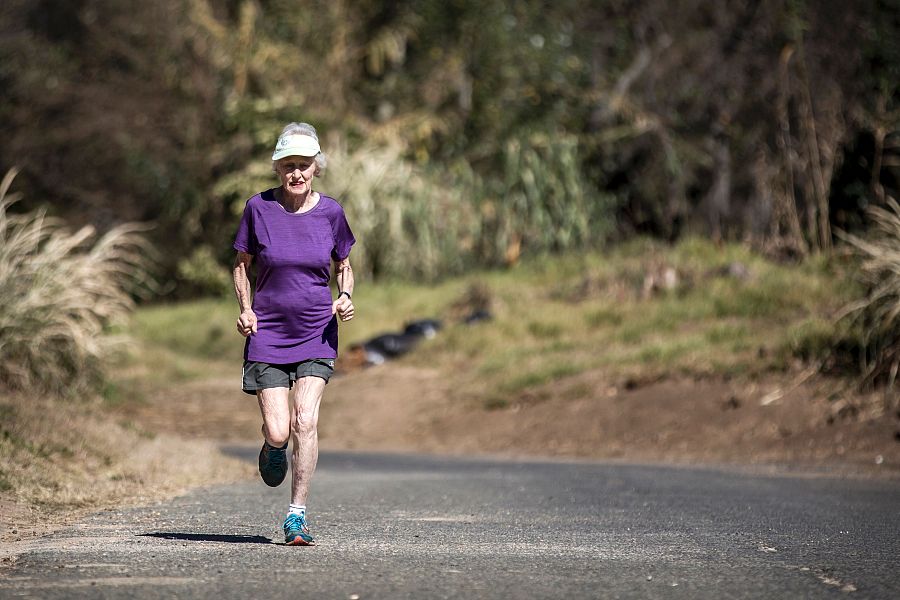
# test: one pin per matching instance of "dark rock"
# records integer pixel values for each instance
(478, 316)
(389, 345)
(426, 328)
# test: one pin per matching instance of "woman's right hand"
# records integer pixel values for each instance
(246, 323)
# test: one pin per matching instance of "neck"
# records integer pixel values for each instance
(295, 202)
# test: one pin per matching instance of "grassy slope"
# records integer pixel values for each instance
(556, 317)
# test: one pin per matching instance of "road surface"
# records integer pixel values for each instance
(400, 526)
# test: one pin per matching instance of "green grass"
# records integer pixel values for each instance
(559, 316)
(201, 328)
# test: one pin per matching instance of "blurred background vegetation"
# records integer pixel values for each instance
(466, 133)
(699, 189)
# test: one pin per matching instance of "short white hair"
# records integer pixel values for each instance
(305, 129)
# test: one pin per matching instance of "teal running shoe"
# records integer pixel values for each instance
(296, 532)
(273, 464)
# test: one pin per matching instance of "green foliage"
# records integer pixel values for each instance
(882, 53)
(490, 129)
(204, 274)
(543, 201)
(430, 222)
(204, 329)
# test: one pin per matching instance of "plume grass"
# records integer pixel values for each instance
(61, 291)
(877, 316)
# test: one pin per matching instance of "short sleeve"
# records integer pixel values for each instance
(245, 240)
(343, 236)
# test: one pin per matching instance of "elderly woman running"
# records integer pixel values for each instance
(296, 235)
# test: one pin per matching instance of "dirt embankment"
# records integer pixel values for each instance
(787, 421)
(63, 457)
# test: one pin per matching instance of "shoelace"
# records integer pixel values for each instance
(296, 522)
(277, 457)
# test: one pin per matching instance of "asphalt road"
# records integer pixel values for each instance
(392, 526)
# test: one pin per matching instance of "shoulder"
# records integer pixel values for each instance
(262, 199)
(330, 206)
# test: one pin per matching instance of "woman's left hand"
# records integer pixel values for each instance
(343, 308)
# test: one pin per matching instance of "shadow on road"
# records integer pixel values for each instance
(209, 537)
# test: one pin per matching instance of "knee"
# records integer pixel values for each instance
(304, 424)
(277, 436)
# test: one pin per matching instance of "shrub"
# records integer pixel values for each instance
(410, 221)
(433, 221)
(201, 274)
(59, 295)
(877, 316)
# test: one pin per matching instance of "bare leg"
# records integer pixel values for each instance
(274, 404)
(307, 396)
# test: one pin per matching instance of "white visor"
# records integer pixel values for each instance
(296, 145)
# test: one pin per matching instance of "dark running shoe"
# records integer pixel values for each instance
(296, 532)
(272, 464)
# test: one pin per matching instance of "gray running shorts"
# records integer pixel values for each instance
(261, 376)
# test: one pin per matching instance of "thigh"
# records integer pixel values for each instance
(306, 395)
(275, 406)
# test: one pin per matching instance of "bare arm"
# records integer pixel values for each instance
(344, 276)
(343, 306)
(246, 323)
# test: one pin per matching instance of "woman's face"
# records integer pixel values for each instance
(296, 173)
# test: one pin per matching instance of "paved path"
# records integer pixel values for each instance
(420, 527)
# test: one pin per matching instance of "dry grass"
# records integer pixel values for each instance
(59, 295)
(74, 456)
(877, 316)
(65, 458)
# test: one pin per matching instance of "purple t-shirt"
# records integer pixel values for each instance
(293, 257)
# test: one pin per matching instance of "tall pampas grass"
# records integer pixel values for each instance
(60, 293)
(410, 221)
(877, 316)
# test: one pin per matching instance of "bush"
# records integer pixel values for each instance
(417, 221)
(59, 295)
(202, 274)
(877, 316)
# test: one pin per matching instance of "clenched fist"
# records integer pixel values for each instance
(343, 307)
(246, 323)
